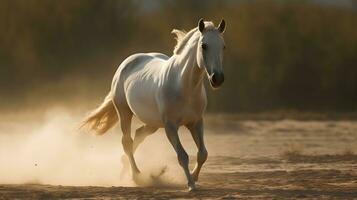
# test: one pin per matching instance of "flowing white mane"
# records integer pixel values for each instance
(182, 37)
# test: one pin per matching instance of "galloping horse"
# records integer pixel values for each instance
(165, 92)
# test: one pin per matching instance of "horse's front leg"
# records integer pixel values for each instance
(172, 135)
(196, 130)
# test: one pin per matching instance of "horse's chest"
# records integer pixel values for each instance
(189, 113)
(185, 110)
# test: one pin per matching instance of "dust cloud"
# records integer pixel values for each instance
(50, 150)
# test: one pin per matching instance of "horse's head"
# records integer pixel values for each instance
(210, 51)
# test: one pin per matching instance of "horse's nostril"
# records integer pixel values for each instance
(217, 78)
(214, 78)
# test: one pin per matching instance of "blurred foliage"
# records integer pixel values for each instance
(280, 54)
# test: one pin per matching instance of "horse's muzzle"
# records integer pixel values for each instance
(216, 79)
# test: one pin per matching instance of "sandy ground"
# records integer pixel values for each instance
(277, 159)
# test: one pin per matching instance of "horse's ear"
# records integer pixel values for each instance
(222, 26)
(201, 25)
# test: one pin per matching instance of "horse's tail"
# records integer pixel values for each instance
(102, 118)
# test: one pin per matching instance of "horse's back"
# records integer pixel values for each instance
(138, 60)
(135, 62)
(159, 55)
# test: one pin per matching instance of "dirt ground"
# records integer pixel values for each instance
(248, 159)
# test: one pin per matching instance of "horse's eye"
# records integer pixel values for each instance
(204, 46)
(224, 47)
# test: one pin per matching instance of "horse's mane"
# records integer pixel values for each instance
(182, 37)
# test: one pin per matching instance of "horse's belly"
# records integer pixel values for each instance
(142, 102)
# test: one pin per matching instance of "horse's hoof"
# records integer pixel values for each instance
(192, 188)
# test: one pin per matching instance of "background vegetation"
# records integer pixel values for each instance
(298, 55)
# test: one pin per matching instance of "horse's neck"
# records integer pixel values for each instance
(191, 76)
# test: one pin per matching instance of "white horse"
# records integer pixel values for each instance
(165, 92)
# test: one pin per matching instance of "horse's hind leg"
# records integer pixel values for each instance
(196, 130)
(127, 142)
(141, 133)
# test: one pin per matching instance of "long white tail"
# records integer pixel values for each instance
(102, 118)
